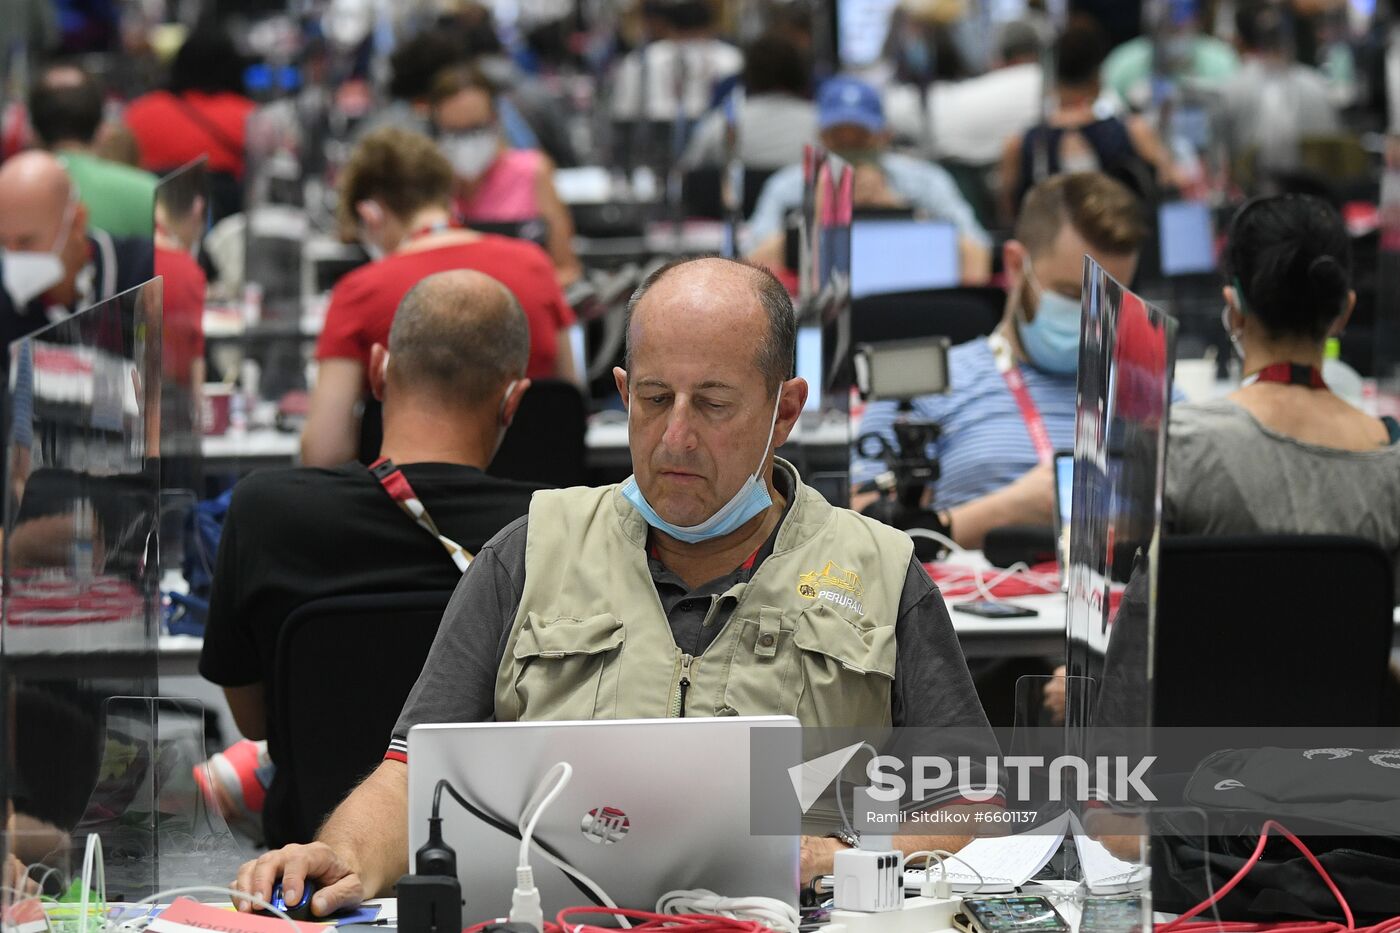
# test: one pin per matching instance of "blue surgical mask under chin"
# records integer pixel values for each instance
(751, 499)
(1051, 341)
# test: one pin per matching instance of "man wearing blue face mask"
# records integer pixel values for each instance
(713, 582)
(1011, 404)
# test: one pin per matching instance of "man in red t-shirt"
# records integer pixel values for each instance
(203, 113)
(179, 219)
(396, 192)
(182, 345)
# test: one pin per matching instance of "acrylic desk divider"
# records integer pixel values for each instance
(79, 619)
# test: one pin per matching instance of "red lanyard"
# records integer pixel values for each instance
(1030, 413)
(393, 481)
(1293, 374)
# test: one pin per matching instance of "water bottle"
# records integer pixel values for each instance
(238, 412)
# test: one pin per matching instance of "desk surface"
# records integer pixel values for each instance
(606, 441)
(1042, 636)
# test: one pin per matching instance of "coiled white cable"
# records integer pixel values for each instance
(985, 585)
(769, 911)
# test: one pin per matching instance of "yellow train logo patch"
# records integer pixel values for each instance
(833, 583)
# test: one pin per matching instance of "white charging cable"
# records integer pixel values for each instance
(769, 911)
(525, 899)
(93, 873)
(1041, 581)
(942, 888)
(164, 897)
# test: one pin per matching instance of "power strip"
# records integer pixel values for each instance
(920, 915)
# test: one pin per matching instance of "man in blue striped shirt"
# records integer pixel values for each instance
(1011, 399)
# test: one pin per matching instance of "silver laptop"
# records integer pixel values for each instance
(654, 805)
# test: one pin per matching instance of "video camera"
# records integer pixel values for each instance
(902, 371)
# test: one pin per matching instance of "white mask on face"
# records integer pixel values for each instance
(471, 153)
(750, 499)
(29, 273)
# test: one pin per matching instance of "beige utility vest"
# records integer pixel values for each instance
(812, 633)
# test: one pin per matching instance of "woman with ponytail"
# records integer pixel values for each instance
(1283, 454)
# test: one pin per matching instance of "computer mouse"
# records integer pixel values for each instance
(300, 910)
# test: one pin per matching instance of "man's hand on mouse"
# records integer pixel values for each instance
(339, 885)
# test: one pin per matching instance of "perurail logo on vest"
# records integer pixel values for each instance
(834, 584)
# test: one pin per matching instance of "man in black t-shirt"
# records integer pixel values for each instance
(450, 382)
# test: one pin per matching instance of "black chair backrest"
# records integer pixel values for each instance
(960, 314)
(546, 440)
(344, 667)
(1272, 630)
(701, 195)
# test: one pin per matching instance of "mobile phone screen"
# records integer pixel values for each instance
(1025, 914)
(1111, 915)
(990, 610)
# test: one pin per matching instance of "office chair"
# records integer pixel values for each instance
(546, 440)
(1272, 630)
(701, 193)
(1256, 632)
(960, 314)
(343, 669)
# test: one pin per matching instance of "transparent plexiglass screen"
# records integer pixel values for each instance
(822, 439)
(1123, 400)
(79, 610)
(1387, 327)
(181, 219)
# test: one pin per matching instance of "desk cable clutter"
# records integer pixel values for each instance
(430, 901)
(168, 911)
(862, 906)
(1020, 579)
(872, 880)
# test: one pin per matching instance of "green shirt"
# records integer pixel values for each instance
(1128, 69)
(119, 199)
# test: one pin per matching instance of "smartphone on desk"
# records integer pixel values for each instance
(1111, 915)
(1022, 913)
(989, 609)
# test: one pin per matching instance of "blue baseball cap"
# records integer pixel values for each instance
(844, 101)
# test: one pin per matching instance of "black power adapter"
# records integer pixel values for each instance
(430, 901)
(429, 904)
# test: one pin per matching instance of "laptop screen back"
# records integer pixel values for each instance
(1187, 239)
(1064, 496)
(890, 256)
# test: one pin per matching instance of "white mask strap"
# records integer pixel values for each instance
(505, 399)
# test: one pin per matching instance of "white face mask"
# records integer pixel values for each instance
(472, 153)
(29, 273)
(750, 499)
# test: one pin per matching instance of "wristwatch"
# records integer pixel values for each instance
(849, 839)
